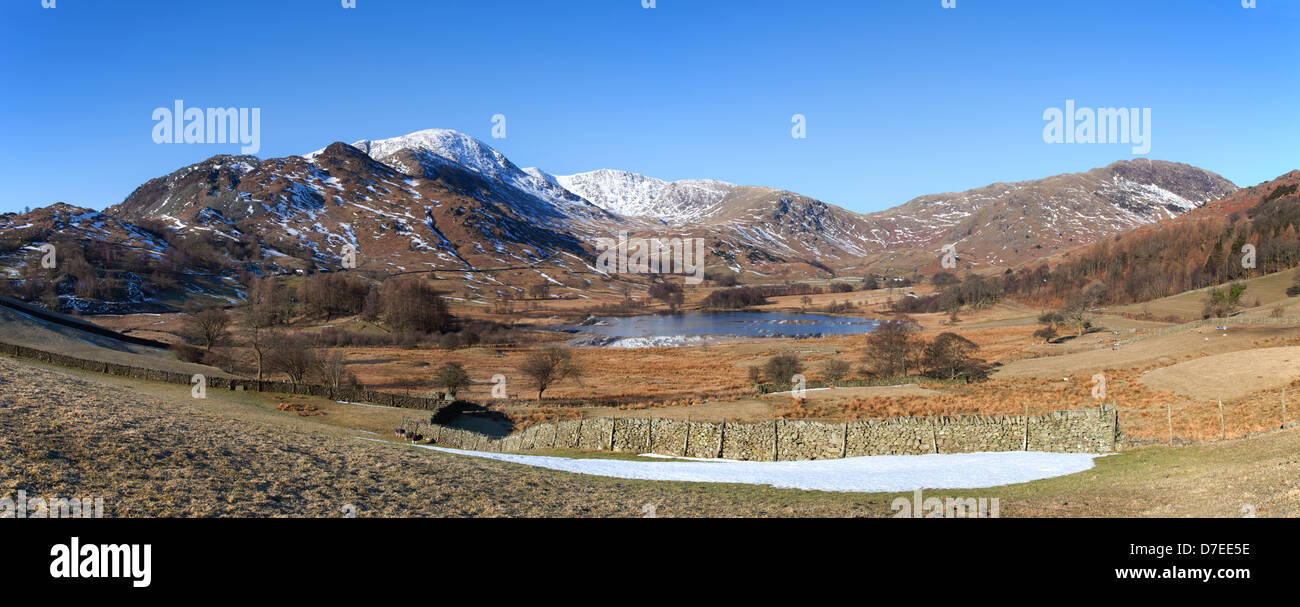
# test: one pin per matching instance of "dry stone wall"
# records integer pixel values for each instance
(1093, 431)
(443, 409)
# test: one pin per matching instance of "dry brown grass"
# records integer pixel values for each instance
(150, 450)
(710, 383)
(1232, 375)
(302, 409)
(523, 418)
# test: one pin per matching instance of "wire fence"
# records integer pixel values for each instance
(1190, 326)
(1217, 420)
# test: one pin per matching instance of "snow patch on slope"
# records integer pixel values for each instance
(632, 195)
(876, 474)
(443, 147)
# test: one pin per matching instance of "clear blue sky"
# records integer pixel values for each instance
(902, 97)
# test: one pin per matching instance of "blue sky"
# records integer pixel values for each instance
(902, 97)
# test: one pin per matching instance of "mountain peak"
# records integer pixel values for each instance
(635, 195)
(451, 145)
(425, 154)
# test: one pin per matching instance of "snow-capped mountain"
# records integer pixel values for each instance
(305, 211)
(426, 152)
(1010, 223)
(632, 195)
(441, 201)
(997, 224)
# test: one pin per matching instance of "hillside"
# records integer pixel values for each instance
(1009, 223)
(240, 457)
(449, 206)
(25, 329)
(1197, 250)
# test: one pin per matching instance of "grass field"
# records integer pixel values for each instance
(1270, 290)
(151, 450)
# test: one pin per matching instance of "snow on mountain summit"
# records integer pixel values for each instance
(543, 175)
(993, 223)
(447, 147)
(632, 195)
(623, 193)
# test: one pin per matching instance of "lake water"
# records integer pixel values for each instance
(703, 327)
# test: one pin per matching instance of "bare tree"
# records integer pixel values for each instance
(260, 337)
(1075, 315)
(453, 377)
(261, 341)
(207, 327)
(413, 305)
(268, 303)
(408, 383)
(1094, 293)
(550, 366)
(835, 369)
(294, 357)
(333, 371)
(890, 347)
(782, 368)
(950, 356)
(670, 293)
(504, 305)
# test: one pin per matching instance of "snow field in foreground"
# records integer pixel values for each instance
(876, 474)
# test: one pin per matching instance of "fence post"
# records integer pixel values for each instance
(1026, 427)
(1114, 431)
(1223, 429)
(934, 434)
(1171, 422)
(686, 448)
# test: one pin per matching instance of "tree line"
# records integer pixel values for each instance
(894, 350)
(1174, 257)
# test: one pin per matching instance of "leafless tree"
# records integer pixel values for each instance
(413, 305)
(671, 293)
(207, 327)
(890, 347)
(295, 358)
(453, 377)
(549, 366)
(782, 368)
(951, 355)
(332, 369)
(261, 341)
(835, 369)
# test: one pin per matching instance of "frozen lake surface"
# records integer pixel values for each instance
(654, 330)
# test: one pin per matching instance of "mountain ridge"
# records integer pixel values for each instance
(439, 201)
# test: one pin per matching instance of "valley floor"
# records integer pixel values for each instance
(150, 450)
